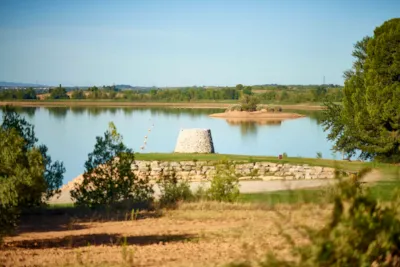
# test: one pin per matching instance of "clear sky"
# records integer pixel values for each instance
(183, 43)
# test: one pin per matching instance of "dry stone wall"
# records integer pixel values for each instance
(204, 170)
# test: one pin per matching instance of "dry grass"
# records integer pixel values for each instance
(197, 234)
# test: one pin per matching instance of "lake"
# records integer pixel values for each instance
(70, 132)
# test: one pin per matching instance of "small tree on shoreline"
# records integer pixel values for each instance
(108, 176)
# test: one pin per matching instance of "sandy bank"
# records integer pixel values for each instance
(257, 115)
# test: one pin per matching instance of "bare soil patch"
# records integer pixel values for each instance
(198, 234)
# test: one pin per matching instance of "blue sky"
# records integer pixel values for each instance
(183, 43)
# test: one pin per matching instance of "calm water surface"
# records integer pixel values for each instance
(70, 133)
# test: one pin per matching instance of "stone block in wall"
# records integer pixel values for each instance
(184, 174)
(155, 173)
(143, 168)
(201, 163)
(174, 164)
(134, 167)
(317, 169)
(274, 169)
(326, 175)
(186, 167)
(328, 169)
(164, 164)
(299, 175)
(154, 164)
(188, 163)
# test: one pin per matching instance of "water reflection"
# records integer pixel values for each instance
(315, 115)
(78, 110)
(249, 127)
(61, 112)
(58, 112)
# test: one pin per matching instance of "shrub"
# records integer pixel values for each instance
(108, 178)
(173, 191)
(319, 155)
(21, 178)
(284, 155)
(262, 107)
(225, 184)
(249, 102)
(54, 171)
(234, 108)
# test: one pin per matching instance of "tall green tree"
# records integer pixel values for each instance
(369, 118)
(108, 176)
(21, 177)
(53, 171)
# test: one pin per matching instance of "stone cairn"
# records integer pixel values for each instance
(194, 141)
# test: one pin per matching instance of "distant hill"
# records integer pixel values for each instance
(10, 84)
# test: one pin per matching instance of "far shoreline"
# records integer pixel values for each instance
(205, 105)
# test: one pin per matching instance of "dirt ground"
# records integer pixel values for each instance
(198, 234)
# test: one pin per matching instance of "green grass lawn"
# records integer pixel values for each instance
(344, 165)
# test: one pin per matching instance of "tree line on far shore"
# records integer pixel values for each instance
(266, 94)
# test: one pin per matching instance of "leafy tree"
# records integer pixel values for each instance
(369, 119)
(21, 177)
(58, 93)
(224, 186)
(78, 94)
(247, 90)
(108, 177)
(239, 87)
(249, 103)
(53, 171)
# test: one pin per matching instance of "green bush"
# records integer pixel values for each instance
(319, 155)
(173, 191)
(249, 102)
(108, 178)
(225, 184)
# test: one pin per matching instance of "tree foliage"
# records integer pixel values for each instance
(21, 177)
(53, 171)
(78, 94)
(108, 177)
(369, 118)
(249, 102)
(28, 93)
(58, 93)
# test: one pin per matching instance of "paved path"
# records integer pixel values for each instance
(253, 186)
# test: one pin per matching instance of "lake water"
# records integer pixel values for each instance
(70, 133)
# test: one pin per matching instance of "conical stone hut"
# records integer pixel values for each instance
(194, 141)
